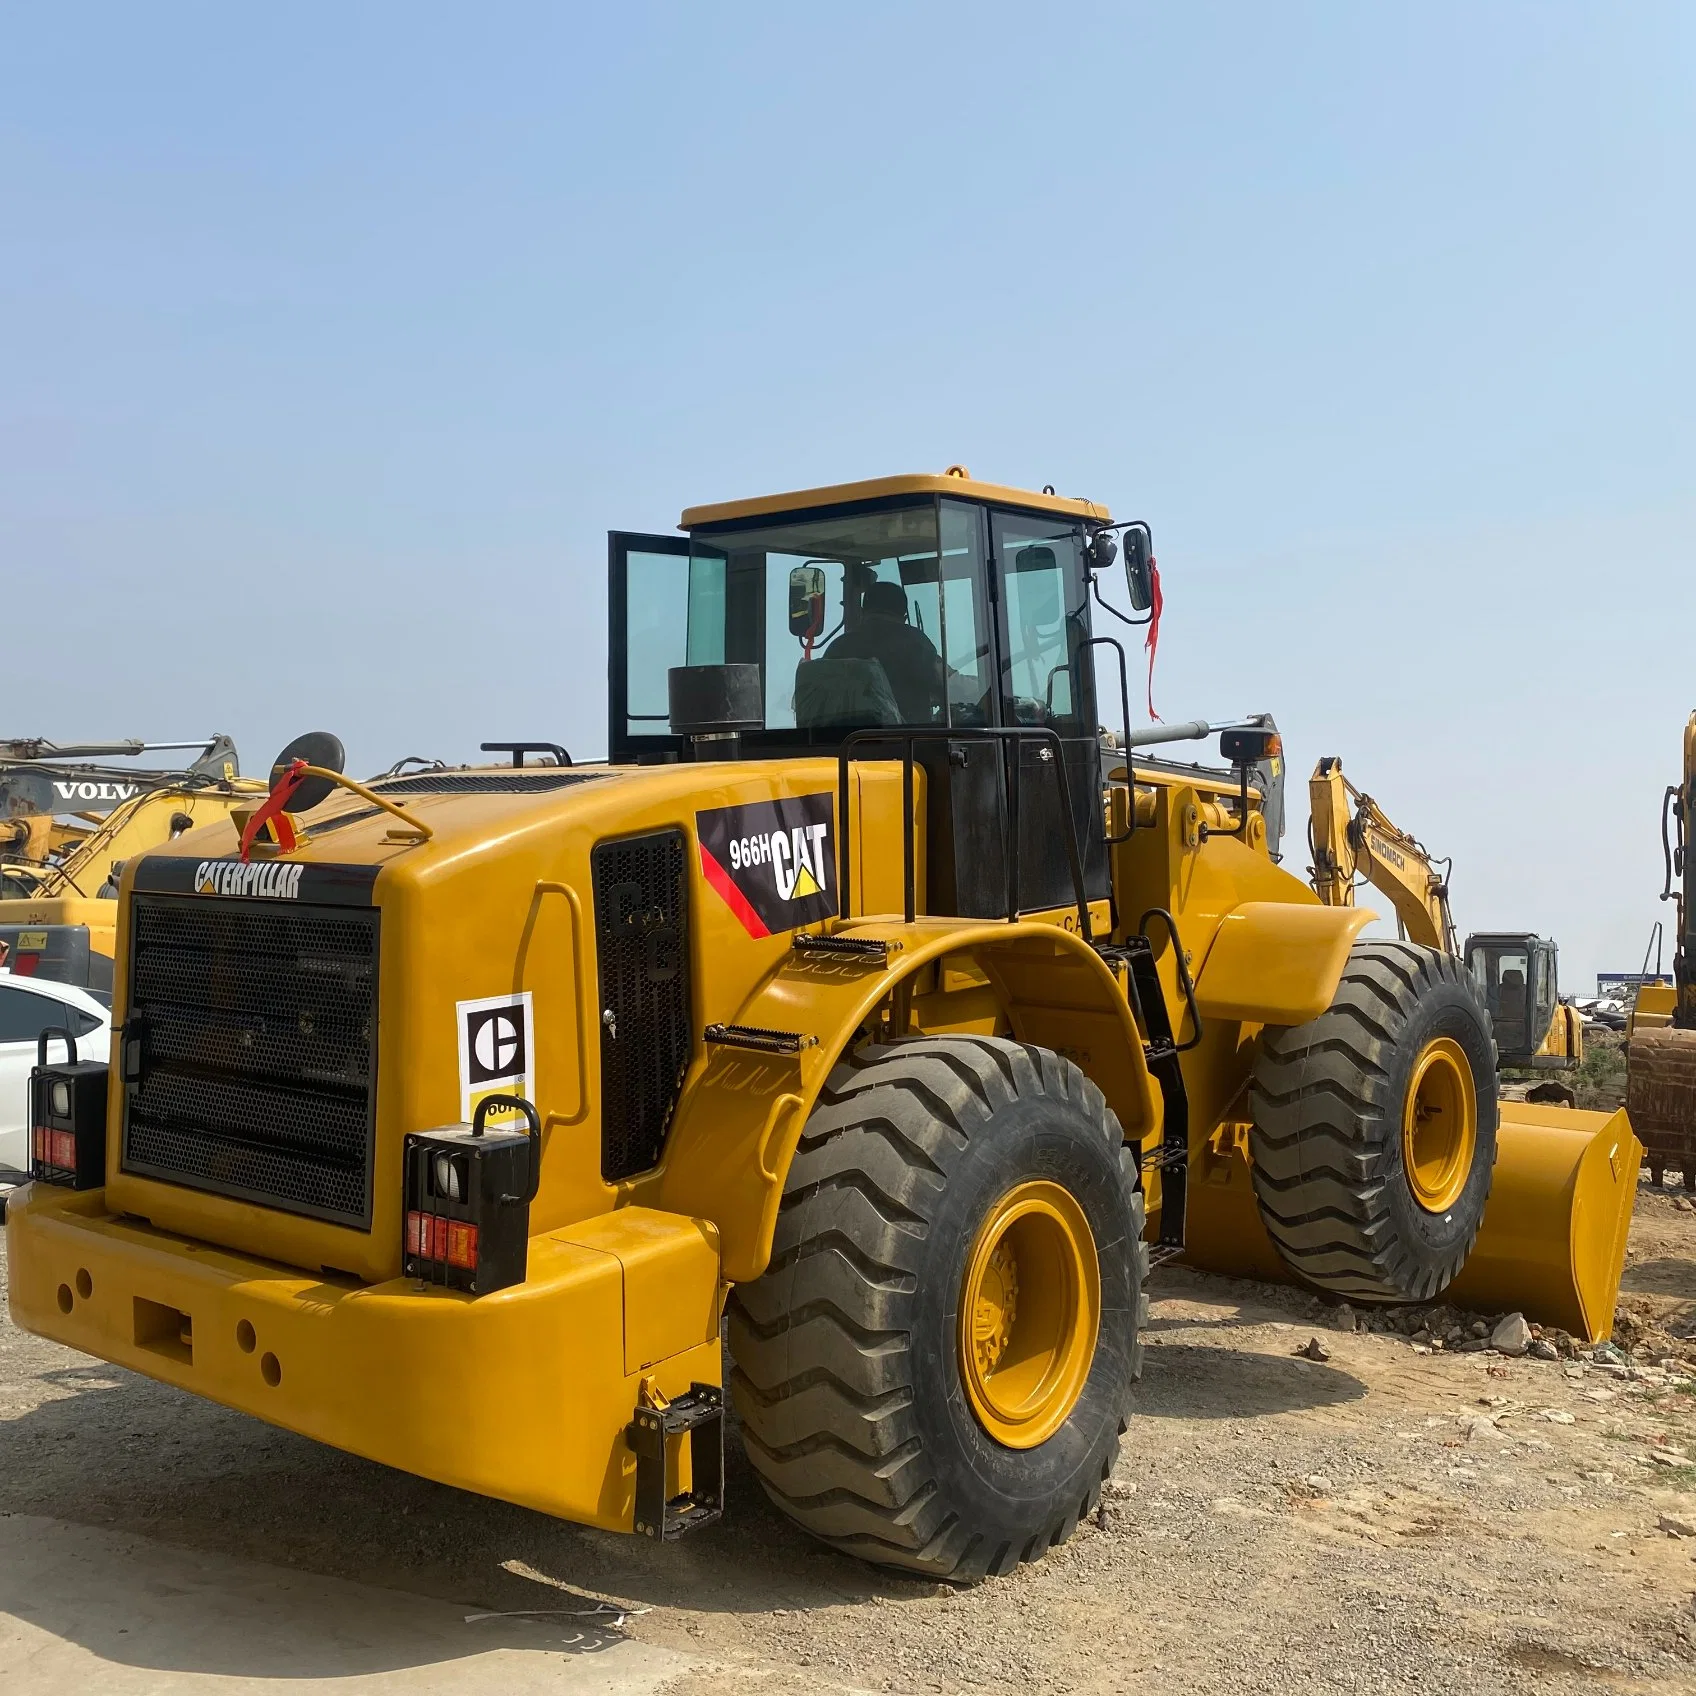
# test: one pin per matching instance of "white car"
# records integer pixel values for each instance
(28, 1006)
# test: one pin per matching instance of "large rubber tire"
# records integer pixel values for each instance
(1328, 1100)
(847, 1373)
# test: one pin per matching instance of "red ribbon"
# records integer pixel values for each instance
(274, 811)
(1156, 601)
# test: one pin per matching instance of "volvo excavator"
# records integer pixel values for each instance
(70, 819)
(1660, 1090)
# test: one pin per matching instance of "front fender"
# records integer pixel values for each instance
(738, 1123)
(1276, 963)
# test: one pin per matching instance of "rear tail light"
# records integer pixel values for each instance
(467, 1201)
(67, 1118)
(450, 1241)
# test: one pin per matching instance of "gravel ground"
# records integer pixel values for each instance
(1383, 1520)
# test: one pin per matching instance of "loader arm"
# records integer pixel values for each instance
(1351, 837)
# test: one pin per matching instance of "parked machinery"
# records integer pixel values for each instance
(1661, 1050)
(68, 822)
(450, 1112)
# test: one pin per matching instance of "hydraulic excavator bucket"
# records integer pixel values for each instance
(1552, 1244)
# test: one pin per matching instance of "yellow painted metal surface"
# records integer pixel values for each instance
(1440, 1125)
(1653, 1007)
(523, 1394)
(1277, 963)
(745, 1110)
(672, 1289)
(1553, 1239)
(1224, 1230)
(1029, 1314)
(962, 487)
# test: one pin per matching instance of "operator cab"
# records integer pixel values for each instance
(783, 626)
(1516, 972)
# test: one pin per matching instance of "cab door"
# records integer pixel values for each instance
(1048, 679)
(647, 634)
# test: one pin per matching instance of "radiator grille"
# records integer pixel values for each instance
(258, 1024)
(642, 946)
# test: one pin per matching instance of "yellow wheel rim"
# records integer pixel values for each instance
(1440, 1125)
(1030, 1310)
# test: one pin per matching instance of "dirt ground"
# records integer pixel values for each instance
(1384, 1520)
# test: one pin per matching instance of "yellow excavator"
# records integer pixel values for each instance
(69, 820)
(1661, 1045)
(1351, 838)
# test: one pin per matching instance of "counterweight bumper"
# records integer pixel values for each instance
(525, 1394)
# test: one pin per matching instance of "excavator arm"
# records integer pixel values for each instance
(1351, 838)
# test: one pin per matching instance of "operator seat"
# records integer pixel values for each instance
(908, 656)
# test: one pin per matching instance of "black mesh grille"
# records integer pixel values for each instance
(257, 1022)
(514, 782)
(642, 945)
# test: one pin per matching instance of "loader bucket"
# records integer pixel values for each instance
(1552, 1244)
(1553, 1240)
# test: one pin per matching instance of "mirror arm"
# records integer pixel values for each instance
(1107, 606)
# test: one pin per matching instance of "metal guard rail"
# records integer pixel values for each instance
(1009, 737)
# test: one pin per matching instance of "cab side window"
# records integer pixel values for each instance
(1044, 623)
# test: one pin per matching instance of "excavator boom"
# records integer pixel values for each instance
(1363, 843)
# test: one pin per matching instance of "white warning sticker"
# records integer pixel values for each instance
(497, 1050)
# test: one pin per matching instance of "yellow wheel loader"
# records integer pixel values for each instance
(1661, 1047)
(66, 828)
(448, 1115)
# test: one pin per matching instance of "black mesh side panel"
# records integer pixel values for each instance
(258, 1022)
(515, 782)
(642, 946)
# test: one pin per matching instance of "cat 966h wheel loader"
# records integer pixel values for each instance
(448, 1115)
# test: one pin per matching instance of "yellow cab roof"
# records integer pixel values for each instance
(956, 481)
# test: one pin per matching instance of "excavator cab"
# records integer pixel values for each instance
(1516, 972)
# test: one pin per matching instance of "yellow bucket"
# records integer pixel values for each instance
(1553, 1242)
(1552, 1245)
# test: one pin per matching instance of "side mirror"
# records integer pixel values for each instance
(1139, 566)
(806, 601)
(318, 748)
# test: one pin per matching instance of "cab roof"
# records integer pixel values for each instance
(956, 481)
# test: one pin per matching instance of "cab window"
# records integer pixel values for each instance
(1044, 680)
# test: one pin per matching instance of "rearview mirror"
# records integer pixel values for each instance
(806, 600)
(317, 748)
(1139, 566)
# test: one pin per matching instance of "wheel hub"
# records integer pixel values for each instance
(1439, 1125)
(1030, 1310)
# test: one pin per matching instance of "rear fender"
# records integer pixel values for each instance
(740, 1118)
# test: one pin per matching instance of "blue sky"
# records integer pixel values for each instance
(332, 341)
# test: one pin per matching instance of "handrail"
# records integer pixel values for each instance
(574, 905)
(1008, 737)
(422, 831)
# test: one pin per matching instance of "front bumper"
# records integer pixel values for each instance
(524, 1395)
